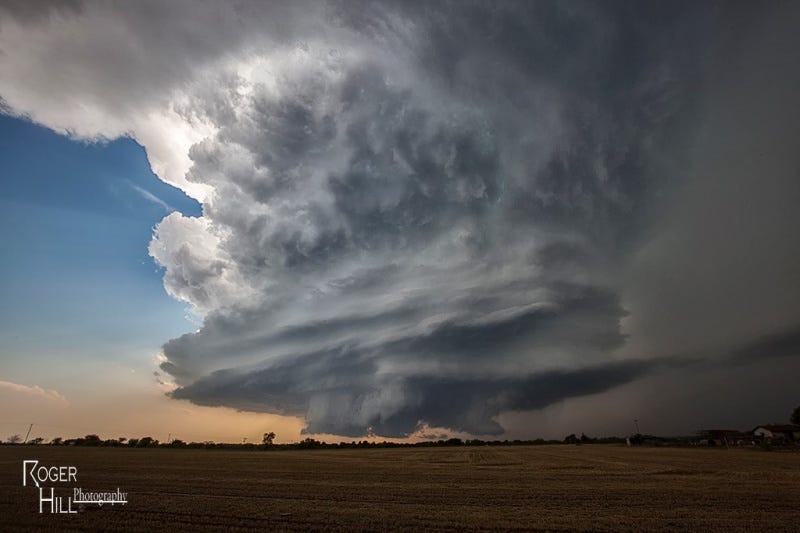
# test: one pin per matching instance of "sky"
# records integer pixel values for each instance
(398, 220)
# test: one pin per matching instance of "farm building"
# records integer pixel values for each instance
(778, 432)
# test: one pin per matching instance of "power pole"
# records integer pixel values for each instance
(28, 434)
(636, 421)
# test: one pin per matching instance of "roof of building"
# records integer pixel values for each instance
(779, 428)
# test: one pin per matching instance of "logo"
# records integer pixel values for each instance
(48, 478)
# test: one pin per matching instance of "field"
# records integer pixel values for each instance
(591, 487)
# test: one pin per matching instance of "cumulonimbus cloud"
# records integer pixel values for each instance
(391, 244)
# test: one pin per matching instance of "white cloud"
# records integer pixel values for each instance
(147, 195)
(101, 70)
(29, 392)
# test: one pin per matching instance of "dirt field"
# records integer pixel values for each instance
(544, 487)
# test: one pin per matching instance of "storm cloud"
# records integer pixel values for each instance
(430, 214)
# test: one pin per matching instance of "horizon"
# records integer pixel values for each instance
(391, 222)
(174, 440)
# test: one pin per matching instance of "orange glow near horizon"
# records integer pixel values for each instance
(133, 413)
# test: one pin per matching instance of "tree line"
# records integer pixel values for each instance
(305, 444)
(310, 443)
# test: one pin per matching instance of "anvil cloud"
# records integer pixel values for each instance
(431, 214)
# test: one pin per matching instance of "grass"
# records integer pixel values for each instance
(593, 487)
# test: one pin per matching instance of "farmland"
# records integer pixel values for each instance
(595, 487)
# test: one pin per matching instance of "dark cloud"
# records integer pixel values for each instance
(31, 12)
(385, 388)
(775, 345)
(721, 269)
(340, 395)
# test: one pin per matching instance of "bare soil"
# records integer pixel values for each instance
(590, 487)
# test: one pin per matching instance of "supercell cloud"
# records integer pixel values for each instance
(432, 214)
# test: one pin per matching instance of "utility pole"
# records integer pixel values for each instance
(28, 434)
(636, 421)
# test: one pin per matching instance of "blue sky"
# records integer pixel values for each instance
(78, 283)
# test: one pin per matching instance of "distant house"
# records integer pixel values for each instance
(778, 432)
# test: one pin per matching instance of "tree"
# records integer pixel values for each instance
(57, 441)
(308, 443)
(571, 439)
(37, 440)
(14, 439)
(796, 415)
(92, 440)
(268, 438)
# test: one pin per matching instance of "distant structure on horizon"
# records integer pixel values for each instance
(778, 432)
